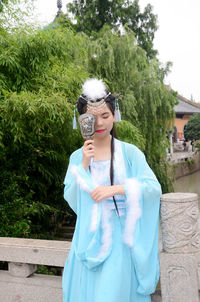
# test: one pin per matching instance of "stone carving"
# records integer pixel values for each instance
(179, 282)
(180, 277)
(180, 222)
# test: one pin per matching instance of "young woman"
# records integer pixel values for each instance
(116, 196)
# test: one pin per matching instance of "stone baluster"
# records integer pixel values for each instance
(181, 243)
(22, 270)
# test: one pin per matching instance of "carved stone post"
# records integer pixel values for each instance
(181, 242)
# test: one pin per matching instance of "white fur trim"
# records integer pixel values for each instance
(106, 229)
(119, 165)
(79, 179)
(86, 188)
(93, 225)
(94, 89)
(134, 210)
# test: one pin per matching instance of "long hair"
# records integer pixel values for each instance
(110, 102)
(111, 165)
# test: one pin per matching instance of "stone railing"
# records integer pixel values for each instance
(179, 258)
(20, 283)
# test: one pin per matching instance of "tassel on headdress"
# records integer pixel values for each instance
(117, 112)
(74, 119)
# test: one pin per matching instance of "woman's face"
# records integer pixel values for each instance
(104, 121)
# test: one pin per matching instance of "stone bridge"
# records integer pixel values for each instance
(179, 258)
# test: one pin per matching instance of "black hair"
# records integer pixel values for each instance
(110, 102)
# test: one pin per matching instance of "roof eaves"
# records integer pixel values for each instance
(188, 101)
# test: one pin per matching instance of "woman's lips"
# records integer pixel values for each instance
(100, 131)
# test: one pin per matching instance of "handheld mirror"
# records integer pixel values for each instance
(86, 122)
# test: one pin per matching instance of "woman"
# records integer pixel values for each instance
(116, 196)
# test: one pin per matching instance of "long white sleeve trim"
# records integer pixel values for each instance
(79, 179)
(94, 218)
(134, 211)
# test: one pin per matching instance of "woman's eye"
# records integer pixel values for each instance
(105, 116)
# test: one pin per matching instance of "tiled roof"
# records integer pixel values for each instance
(188, 101)
(186, 107)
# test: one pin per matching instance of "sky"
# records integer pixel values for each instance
(177, 39)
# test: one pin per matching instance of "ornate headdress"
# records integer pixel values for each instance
(95, 93)
(95, 96)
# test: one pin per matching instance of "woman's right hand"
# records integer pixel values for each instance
(88, 153)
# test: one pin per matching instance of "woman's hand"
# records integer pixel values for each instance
(88, 153)
(106, 191)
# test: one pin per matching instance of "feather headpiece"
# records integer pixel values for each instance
(94, 89)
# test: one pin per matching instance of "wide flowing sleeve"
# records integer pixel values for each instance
(76, 176)
(86, 240)
(143, 193)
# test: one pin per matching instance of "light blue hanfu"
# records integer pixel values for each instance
(113, 258)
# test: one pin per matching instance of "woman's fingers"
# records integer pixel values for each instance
(88, 145)
(89, 142)
(94, 195)
(101, 192)
(88, 153)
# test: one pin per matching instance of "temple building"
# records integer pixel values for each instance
(184, 109)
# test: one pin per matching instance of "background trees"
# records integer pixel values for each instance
(14, 15)
(192, 128)
(91, 16)
(40, 76)
(2, 4)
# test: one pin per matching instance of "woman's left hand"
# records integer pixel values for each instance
(106, 191)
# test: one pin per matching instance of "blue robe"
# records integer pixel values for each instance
(113, 260)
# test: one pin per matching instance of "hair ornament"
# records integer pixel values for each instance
(117, 112)
(74, 119)
(94, 98)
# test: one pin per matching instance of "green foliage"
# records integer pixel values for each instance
(91, 16)
(2, 3)
(143, 24)
(40, 76)
(25, 60)
(192, 128)
(64, 22)
(45, 270)
(16, 15)
(197, 146)
(126, 132)
(35, 145)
